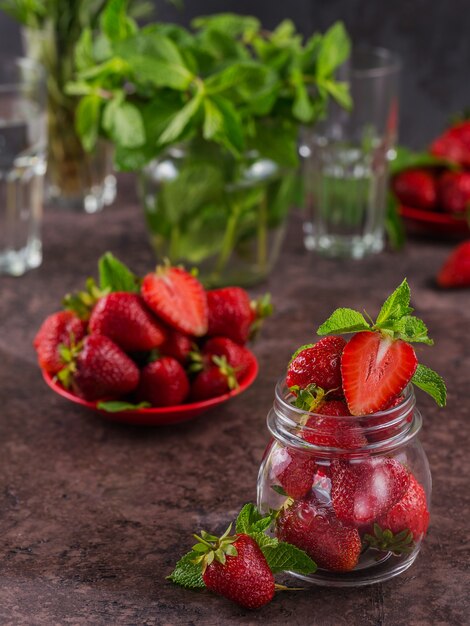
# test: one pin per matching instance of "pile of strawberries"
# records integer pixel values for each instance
(158, 341)
(357, 494)
(444, 185)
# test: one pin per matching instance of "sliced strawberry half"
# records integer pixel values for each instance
(178, 298)
(375, 368)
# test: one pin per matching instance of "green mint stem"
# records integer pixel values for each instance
(263, 234)
(173, 252)
(228, 242)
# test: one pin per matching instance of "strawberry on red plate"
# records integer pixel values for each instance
(163, 383)
(454, 192)
(416, 188)
(177, 344)
(59, 329)
(454, 144)
(178, 298)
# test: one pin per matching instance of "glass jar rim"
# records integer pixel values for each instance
(390, 428)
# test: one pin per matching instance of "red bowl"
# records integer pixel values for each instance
(434, 224)
(157, 416)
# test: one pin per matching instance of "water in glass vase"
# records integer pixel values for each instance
(346, 196)
(22, 169)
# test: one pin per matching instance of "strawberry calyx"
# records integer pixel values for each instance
(82, 302)
(386, 541)
(211, 548)
(261, 308)
(68, 355)
(227, 370)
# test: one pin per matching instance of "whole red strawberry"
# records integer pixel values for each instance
(176, 344)
(375, 369)
(229, 314)
(62, 328)
(123, 318)
(410, 513)
(456, 270)
(163, 383)
(416, 188)
(237, 356)
(332, 432)
(363, 491)
(215, 380)
(235, 567)
(100, 369)
(454, 192)
(178, 298)
(313, 527)
(293, 470)
(454, 144)
(318, 364)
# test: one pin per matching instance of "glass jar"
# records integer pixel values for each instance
(353, 492)
(206, 209)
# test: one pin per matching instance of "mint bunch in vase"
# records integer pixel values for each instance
(209, 118)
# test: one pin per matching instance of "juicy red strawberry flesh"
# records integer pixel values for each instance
(375, 369)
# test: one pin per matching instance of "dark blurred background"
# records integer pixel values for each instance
(432, 37)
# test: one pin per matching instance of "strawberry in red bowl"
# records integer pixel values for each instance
(345, 470)
(138, 350)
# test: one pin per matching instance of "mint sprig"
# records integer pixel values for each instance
(115, 406)
(395, 320)
(280, 556)
(115, 276)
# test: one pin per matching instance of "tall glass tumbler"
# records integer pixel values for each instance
(22, 164)
(345, 160)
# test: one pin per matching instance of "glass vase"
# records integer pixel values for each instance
(206, 209)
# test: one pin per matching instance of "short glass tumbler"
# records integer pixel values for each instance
(345, 160)
(353, 492)
(22, 164)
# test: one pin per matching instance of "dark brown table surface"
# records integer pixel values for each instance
(93, 515)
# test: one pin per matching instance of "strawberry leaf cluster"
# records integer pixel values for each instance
(396, 321)
(280, 556)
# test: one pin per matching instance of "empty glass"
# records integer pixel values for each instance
(22, 164)
(345, 160)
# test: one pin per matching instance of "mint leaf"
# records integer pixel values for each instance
(286, 557)
(188, 574)
(180, 120)
(123, 121)
(230, 24)
(397, 305)
(115, 406)
(115, 276)
(411, 329)
(87, 120)
(334, 50)
(343, 321)
(263, 540)
(340, 92)
(247, 517)
(430, 382)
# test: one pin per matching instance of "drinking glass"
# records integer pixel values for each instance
(345, 160)
(22, 164)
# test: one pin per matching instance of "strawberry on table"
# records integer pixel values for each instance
(456, 270)
(123, 318)
(231, 313)
(364, 490)
(61, 328)
(178, 298)
(97, 369)
(313, 527)
(416, 188)
(163, 383)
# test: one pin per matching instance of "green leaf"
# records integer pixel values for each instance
(181, 120)
(83, 53)
(115, 276)
(224, 124)
(396, 306)
(431, 383)
(263, 540)
(394, 226)
(407, 159)
(188, 574)
(123, 121)
(340, 92)
(335, 49)
(343, 321)
(248, 516)
(286, 557)
(411, 329)
(87, 120)
(230, 24)
(115, 22)
(116, 406)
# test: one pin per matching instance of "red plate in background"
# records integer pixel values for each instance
(157, 416)
(432, 223)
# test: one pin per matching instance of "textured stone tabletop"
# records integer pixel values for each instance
(93, 514)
